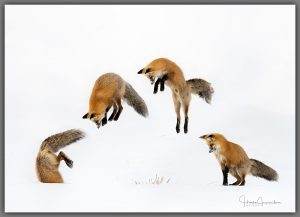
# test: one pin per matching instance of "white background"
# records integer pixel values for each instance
(53, 55)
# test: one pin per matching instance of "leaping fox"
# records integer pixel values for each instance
(109, 90)
(161, 71)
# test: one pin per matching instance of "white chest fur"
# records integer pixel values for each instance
(219, 155)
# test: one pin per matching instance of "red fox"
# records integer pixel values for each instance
(109, 89)
(166, 71)
(234, 160)
(47, 161)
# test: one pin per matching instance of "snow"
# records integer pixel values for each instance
(53, 55)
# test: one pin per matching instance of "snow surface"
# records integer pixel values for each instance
(53, 55)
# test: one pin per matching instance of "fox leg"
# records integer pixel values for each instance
(238, 178)
(111, 117)
(162, 82)
(62, 156)
(120, 108)
(104, 120)
(177, 106)
(157, 82)
(186, 118)
(225, 171)
(243, 180)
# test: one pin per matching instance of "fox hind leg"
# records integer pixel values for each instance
(120, 109)
(177, 106)
(237, 176)
(186, 118)
(111, 117)
(243, 180)
(62, 156)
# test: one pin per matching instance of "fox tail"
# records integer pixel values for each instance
(262, 170)
(201, 88)
(60, 140)
(134, 100)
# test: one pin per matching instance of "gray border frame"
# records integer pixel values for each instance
(144, 2)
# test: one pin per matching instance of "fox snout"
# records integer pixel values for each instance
(211, 146)
(141, 71)
(203, 137)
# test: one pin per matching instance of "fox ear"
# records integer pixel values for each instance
(85, 116)
(141, 71)
(92, 115)
(211, 136)
(148, 70)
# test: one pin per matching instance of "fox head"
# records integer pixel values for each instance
(212, 140)
(97, 111)
(95, 117)
(154, 69)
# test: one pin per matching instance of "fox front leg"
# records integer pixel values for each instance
(104, 120)
(64, 157)
(225, 171)
(162, 82)
(156, 84)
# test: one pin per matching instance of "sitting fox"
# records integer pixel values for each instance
(161, 71)
(109, 91)
(47, 161)
(234, 160)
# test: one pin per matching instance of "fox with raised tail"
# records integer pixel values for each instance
(47, 162)
(109, 91)
(234, 160)
(163, 70)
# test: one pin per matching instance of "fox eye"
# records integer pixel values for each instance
(147, 70)
(210, 136)
(92, 115)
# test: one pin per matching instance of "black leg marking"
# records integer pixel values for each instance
(162, 85)
(104, 120)
(242, 183)
(225, 175)
(118, 113)
(162, 82)
(186, 124)
(67, 160)
(157, 82)
(178, 126)
(111, 117)
(236, 183)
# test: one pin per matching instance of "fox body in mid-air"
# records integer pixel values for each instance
(109, 91)
(234, 160)
(161, 71)
(47, 162)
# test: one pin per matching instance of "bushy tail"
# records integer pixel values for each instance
(262, 170)
(60, 140)
(201, 88)
(134, 100)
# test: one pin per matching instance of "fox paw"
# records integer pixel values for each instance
(69, 162)
(104, 121)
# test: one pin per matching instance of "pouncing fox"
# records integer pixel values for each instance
(47, 162)
(161, 71)
(234, 160)
(109, 90)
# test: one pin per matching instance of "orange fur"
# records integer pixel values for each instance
(234, 160)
